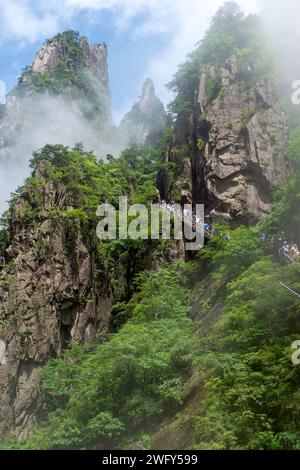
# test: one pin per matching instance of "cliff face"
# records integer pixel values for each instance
(57, 52)
(92, 57)
(58, 281)
(145, 123)
(233, 148)
(248, 133)
(50, 293)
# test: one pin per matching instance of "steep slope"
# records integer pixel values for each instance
(145, 123)
(51, 291)
(160, 380)
(59, 283)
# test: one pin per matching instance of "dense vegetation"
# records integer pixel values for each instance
(107, 396)
(236, 354)
(69, 77)
(116, 394)
(121, 392)
(65, 73)
(231, 33)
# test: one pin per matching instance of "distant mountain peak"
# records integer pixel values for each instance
(66, 82)
(70, 52)
(148, 91)
(145, 123)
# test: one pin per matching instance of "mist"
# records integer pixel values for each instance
(31, 122)
(34, 121)
(281, 21)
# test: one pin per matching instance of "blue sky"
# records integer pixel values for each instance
(145, 38)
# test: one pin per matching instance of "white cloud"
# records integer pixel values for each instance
(34, 19)
(192, 18)
(19, 20)
(180, 22)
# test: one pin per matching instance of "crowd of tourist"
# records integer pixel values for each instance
(190, 216)
(288, 252)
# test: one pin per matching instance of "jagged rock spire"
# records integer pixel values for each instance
(90, 56)
(148, 94)
(67, 82)
(145, 123)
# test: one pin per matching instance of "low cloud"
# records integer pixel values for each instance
(281, 19)
(34, 121)
(179, 24)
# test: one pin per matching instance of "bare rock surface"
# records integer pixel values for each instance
(50, 294)
(145, 123)
(235, 147)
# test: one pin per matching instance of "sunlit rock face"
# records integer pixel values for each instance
(233, 150)
(92, 58)
(145, 123)
(248, 135)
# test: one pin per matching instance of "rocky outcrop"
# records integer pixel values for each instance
(92, 58)
(233, 150)
(95, 60)
(66, 83)
(145, 123)
(244, 153)
(58, 283)
(51, 292)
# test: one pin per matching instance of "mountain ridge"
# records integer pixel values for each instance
(137, 344)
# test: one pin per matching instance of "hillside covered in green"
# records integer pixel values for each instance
(236, 354)
(199, 351)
